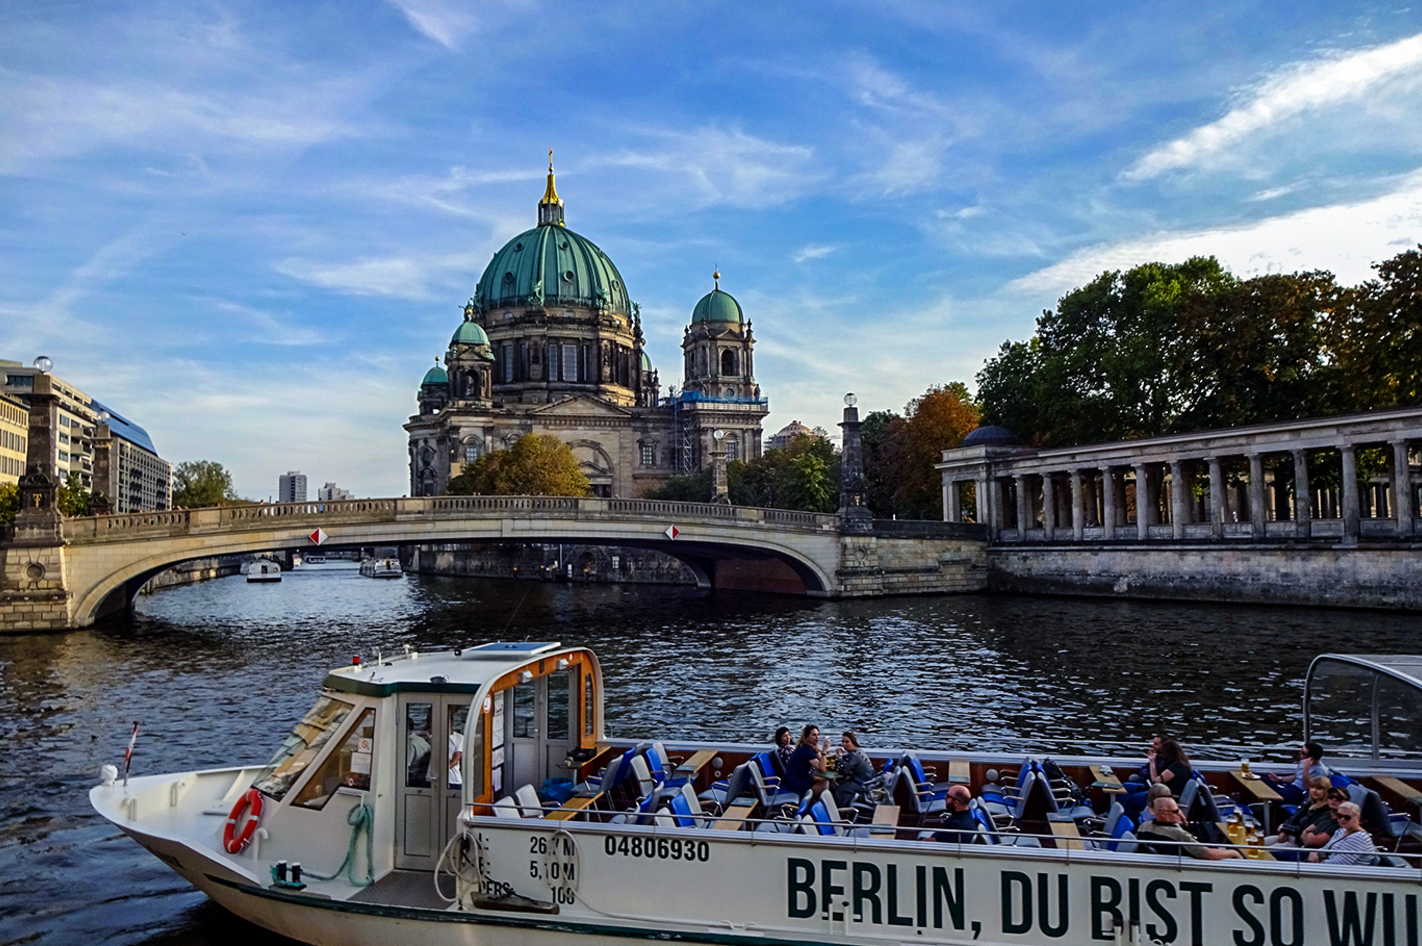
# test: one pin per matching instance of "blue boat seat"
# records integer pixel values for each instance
(768, 772)
(683, 810)
(642, 775)
(990, 833)
(911, 796)
(818, 820)
(770, 797)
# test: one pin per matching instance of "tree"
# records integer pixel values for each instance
(72, 498)
(1377, 337)
(9, 503)
(802, 475)
(882, 460)
(690, 487)
(935, 421)
(198, 483)
(537, 465)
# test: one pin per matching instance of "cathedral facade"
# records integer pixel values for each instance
(551, 343)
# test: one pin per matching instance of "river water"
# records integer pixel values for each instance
(216, 673)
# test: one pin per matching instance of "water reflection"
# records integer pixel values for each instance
(217, 672)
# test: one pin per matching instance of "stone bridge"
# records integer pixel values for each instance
(64, 573)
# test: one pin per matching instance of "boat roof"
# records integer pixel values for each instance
(1405, 667)
(463, 670)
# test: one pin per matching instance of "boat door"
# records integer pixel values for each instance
(432, 728)
(542, 729)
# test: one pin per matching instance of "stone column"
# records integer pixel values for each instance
(1024, 507)
(1302, 513)
(980, 496)
(952, 503)
(997, 511)
(1108, 504)
(1078, 507)
(1258, 519)
(1217, 498)
(1350, 493)
(1049, 507)
(1402, 488)
(1179, 488)
(1142, 502)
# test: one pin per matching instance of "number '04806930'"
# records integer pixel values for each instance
(666, 849)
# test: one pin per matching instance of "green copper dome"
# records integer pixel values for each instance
(551, 265)
(436, 375)
(646, 362)
(469, 333)
(717, 306)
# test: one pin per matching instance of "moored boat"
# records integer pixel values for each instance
(407, 796)
(263, 570)
(388, 567)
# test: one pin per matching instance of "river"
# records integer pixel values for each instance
(216, 673)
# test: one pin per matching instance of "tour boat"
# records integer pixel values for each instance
(403, 807)
(315, 559)
(388, 567)
(263, 570)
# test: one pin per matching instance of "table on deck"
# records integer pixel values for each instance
(693, 765)
(1066, 833)
(885, 821)
(959, 771)
(1409, 794)
(1107, 783)
(1261, 853)
(735, 816)
(573, 807)
(595, 761)
(1263, 795)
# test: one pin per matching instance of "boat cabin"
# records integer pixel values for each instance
(420, 737)
(1365, 707)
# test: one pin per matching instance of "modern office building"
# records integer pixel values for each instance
(551, 343)
(291, 487)
(332, 493)
(61, 422)
(127, 468)
(14, 436)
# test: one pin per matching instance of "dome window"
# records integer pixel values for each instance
(568, 275)
(517, 247)
(508, 279)
(563, 245)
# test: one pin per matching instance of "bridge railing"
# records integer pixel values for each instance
(99, 527)
(342, 507)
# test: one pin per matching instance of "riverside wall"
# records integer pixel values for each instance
(194, 571)
(1384, 577)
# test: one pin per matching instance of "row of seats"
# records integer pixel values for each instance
(523, 803)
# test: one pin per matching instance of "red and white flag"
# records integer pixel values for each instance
(671, 532)
(128, 753)
(318, 536)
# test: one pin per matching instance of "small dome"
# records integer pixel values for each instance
(718, 306)
(436, 375)
(469, 333)
(989, 435)
(646, 362)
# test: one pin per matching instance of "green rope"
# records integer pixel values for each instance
(360, 817)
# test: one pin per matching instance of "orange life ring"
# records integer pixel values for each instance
(233, 841)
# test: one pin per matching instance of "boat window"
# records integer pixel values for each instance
(302, 746)
(525, 701)
(559, 705)
(475, 768)
(418, 727)
(458, 717)
(1399, 719)
(1341, 708)
(347, 767)
(589, 705)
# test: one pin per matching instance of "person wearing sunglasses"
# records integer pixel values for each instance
(1310, 766)
(1350, 844)
(1311, 825)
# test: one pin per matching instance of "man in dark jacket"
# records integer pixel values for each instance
(959, 826)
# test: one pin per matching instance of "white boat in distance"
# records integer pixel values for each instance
(388, 567)
(406, 795)
(263, 570)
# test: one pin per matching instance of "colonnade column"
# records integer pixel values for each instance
(1024, 503)
(1108, 504)
(1350, 493)
(1402, 487)
(952, 503)
(1078, 507)
(1257, 518)
(1142, 503)
(1179, 513)
(1217, 498)
(997, 514)
(1302, 510)
(1049, 507)
(980, 496)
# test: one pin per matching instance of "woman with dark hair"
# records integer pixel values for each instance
(1166, 764)
(806, 767)
(784, 745)
(853, 768)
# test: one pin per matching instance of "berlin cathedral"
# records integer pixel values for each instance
(551, 343)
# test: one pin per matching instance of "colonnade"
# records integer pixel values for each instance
(1244, 484)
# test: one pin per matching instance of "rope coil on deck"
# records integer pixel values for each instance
(360, 818)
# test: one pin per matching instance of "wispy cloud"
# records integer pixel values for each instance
(724, 165)
(445, 23)
(266, 327)
(1301, 88)
(813, 251)
(403, 277)
(1342, 238)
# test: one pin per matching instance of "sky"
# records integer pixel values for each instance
(251, 227)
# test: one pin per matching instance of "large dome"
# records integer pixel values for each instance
(552, 266)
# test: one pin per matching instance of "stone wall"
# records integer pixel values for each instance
(906, 563)
(1382, 577)
(516, 560)
(192, 572)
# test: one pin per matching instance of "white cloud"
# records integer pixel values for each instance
(404, 277)
(813, 251)
(445, 23)
(723, 166)
(1306, 86)
(1342, 238)
(265, 327)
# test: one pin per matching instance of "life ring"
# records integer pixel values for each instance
(233, 841)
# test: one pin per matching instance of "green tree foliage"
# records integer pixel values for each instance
(803, 475)
(1377, 343)
(9, 503)
(537, 465)
(72, 498)
(900, 452)
(198, 483)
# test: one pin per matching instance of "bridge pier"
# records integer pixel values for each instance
(34, 591)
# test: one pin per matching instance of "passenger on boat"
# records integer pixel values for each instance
(1167, 824)
(959, 825)
(854, 769)
(806, 767)
(1350, 844)
(456, 755)
(1166, 764)
(1310, 766)
(1312, 824)
(784, 747)
(1155, 791)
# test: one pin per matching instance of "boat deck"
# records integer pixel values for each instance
(408, 888)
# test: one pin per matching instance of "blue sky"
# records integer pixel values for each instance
(251, 227)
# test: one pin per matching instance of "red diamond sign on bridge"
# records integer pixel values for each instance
(318, 536)
(672, 532)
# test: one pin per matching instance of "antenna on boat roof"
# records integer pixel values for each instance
(515, 614)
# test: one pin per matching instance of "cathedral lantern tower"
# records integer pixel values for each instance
(719, 391)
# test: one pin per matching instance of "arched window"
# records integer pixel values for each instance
(728, 362)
